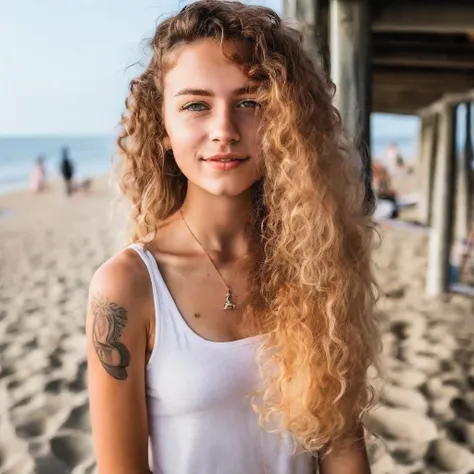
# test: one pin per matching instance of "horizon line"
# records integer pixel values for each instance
(57, 135)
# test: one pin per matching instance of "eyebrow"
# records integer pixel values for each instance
(245, 90)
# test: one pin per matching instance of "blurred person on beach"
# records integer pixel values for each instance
(38, 175)
(233, 335)
(393, 158)
(67, 170)
(383, 188)
(395, 161)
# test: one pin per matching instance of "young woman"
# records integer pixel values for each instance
(234, 335)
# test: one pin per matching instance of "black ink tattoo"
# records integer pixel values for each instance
(108, 323)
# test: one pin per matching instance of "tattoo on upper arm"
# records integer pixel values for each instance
(109, 319)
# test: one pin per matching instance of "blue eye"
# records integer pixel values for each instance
(194, 107)
(249, 104)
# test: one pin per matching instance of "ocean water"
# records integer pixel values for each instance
(92, 156)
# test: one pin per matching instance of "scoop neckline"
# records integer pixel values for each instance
(185, 325)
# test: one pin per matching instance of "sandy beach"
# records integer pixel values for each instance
(50, 247)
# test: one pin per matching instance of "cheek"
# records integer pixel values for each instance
(187, 144)
(178, 124)
(255, 141)
(250, 128)
(184, 133)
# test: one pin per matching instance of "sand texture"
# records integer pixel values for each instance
(50, 247)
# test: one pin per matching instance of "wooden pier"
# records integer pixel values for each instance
(411, 57)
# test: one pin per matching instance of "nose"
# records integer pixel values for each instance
(224, 128)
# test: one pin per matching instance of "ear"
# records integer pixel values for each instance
(167, 143)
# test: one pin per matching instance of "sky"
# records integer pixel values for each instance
(66, 64)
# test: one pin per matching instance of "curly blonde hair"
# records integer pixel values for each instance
(314, 290)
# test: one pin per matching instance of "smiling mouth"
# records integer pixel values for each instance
(225, 160)
(228, 160)
(226, 157)
(225, 163)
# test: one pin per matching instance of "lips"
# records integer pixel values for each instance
(226, 157)
(225, 161)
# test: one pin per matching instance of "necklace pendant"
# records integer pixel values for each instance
(228, 305)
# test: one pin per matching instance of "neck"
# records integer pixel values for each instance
(220, 223)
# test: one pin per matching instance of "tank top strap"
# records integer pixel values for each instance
(157, 288)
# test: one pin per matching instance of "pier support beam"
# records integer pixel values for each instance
(307, 13)
(428, 139)
(312, 20)
(349, 25)
(465, 191)
(443, 204)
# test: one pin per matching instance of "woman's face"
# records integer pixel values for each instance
(209, 115)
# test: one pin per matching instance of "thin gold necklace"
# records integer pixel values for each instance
(229, 305)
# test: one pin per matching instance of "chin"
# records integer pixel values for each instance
(227, 189)
(227, 192)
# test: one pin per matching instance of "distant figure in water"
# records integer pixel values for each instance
(38, 175)
(67, 170)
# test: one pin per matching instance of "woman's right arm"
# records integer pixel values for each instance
(117, 334)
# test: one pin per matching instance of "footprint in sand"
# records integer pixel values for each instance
(32, 429)
(32, 310)
(25, 385)
(23, 402)
(55, 359)
(56, 386)
(72, 450)
(49, 464)
(456, 430)
(13, 384)
(31, 344)
(6, 371)
(40, 421)
(79, 419)
(38, 447)
(463, 409)
(79, 383)
(91, 469)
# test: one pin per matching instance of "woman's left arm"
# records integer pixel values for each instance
(353, 460)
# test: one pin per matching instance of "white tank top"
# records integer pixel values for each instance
(199, 413)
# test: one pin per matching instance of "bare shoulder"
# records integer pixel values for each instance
(123, 275)
(118, 312)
